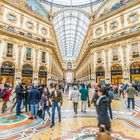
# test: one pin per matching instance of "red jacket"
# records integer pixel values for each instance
(7, 95)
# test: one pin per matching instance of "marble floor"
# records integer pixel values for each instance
(125, 125)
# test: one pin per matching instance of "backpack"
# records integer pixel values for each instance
(110, 94)
(3, 94)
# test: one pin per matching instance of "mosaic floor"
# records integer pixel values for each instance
(125, 125)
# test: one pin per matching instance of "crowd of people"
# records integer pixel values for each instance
(38, 100)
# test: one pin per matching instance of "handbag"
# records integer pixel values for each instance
(39, 113)
(89, 103)
(103, 134)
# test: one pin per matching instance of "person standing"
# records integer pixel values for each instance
(110, 97)
(34, 102)
(84, 97)
(19, 97)
(57, 100)
(130, 96)
(75, 98)
(5, 97)
(102, 110)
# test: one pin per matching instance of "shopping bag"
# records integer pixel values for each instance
(103, 134)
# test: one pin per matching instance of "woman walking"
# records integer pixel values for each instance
(102, 105)
(75, 98)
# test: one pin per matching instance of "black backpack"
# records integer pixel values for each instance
(3, 94)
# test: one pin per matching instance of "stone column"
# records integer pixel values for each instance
(107, 71)
(36, 67)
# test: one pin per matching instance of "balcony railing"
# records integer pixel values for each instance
(43, 60)
(115, 58)
(28, 58)
(116, 35)
(99, 60)
(135, 55)
(25, 34)
(9, 55)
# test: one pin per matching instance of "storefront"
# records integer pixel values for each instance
(135, 71)
(116, 74)
(7, 73)
(27, 74)
(100, 75)
(42, 75)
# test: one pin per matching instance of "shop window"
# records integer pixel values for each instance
(29, 25)
(98, 31)
(9, 52)
(133, 17)
(12, 18)
(135, 50)
(99, 59)
(28, 54)
(115, 54)
(43, 57)
(114, 25)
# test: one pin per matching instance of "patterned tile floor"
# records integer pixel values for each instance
(125, 125)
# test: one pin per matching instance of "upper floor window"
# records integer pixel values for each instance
(28, 54)
(29, 25)
(9, 50)
(98, 31)
(99, 60)
(43, 56)
(115, 54)
(135, 50)
(12, 18)
(133, 17)
(44, 31)
(114, 25)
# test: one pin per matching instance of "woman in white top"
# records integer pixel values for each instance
(74, 97)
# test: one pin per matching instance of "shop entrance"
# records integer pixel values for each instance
(7, 73)
(100, 75)
(42, 75)
(116, 74)
(27, 74)
(135, 71)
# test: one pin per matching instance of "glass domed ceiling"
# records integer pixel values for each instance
(71, 2)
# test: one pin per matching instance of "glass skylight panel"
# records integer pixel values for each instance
(71, 29)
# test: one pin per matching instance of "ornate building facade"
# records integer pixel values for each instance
(111, 50)
(28, 44)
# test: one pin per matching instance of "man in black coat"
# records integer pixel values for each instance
(102, 109)
(19, 95)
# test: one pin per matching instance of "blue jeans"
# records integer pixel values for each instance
(110, 110)
(34, 109)
(18, 102)
(55, 105)
(133, 102)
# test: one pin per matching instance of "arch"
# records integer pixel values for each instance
(110, 6)
(72, 9)
(27, 70)
(8, 68)
(42, 71)
(116, 67)
(100, 69)
(27, 66)
(135, 71)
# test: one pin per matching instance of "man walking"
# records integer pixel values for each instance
(84, 97)
(130, 96)
(57, 100)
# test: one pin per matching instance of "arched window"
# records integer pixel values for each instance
(8, 68)
(27, 70)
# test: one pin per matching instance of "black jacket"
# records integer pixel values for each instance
(102, 111)
(19, 92)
